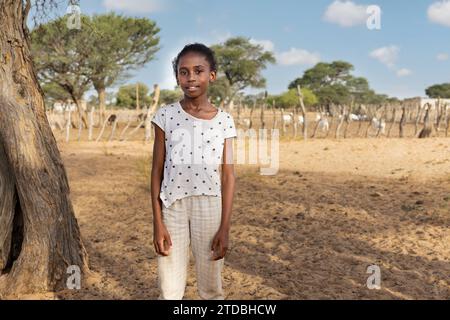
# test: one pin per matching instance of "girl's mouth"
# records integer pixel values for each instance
(193, 88)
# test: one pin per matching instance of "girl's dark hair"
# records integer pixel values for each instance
(199, 48)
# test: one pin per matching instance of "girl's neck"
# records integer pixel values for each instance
(195, 103)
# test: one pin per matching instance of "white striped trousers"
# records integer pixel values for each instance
(192, 220)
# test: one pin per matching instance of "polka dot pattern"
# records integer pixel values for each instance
(194, 149)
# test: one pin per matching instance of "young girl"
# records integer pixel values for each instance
(193, 180)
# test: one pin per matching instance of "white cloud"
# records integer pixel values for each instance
(439, 12)
(386, 55)
(403, 72)
(134, 6)
(346, 13)
(442, 57)
(389, 56)
(297, 56)
(220, 36)
(266, 44)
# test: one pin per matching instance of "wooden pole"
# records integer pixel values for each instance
(151, 111)
(103, 128)
(302, 106)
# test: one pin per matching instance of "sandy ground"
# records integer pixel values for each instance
(334, 208)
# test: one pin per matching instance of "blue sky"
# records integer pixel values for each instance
(410, 52)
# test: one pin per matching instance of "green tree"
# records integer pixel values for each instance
(169, 96)
(118, 44)
(58, 58)
(324, 74)
(126, 96)
(333, 83)
(220, 90)
(439, 91)
(53, 93)
(290, 98)
(101, 54)
(240, 64)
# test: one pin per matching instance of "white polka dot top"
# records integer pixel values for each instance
(194, 149)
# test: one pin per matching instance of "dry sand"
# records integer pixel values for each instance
(309, 232)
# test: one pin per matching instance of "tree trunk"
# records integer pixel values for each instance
(91, 123)
(101, 92)
(44, 237)
(80, 110)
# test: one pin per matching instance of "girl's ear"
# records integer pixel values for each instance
(212, 76)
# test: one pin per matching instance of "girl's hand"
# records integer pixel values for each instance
(161, 239)
(219, 245)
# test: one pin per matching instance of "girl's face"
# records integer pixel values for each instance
(194, 74)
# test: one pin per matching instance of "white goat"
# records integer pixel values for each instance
(318, 117)
(287, 118)
(379, 125)
(323, 124)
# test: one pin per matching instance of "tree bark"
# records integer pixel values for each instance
(101, 92)
(80, 110)
(43, 215)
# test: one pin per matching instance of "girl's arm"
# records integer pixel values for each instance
(220, 241)
(228, 183)
(160, 233)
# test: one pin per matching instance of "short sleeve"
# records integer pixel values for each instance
(158, 118)
(230, 128)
